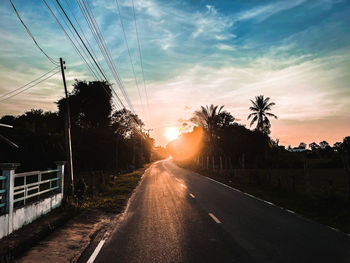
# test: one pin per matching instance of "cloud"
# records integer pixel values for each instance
(261, 13)
(225, 47)
(196, 54)
(225, 37)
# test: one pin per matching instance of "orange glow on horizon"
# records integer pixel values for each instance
(187, 145)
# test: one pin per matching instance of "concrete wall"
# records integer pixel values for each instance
(27, 214)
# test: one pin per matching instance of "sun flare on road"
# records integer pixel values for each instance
(172, 133)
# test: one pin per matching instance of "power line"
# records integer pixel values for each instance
(71, 41)
(6, 94)
(81, 29)
(105, 52)
(127, 45)
(77, 50)
(103, 74)
(76, 40)
(19, 92)
(87, 49)
(139, 48)
(31, 35)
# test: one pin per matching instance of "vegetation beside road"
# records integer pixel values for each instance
(114, 195)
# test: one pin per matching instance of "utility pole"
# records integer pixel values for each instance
(67, 130)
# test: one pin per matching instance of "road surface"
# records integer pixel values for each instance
(179, 216)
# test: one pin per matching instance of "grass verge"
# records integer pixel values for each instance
(116, 192)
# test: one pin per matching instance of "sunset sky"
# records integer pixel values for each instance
(197, 53)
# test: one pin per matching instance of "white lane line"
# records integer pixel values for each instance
(192, 195)
(177, 179)
(97, 250)
(184, 186)
(215, 218)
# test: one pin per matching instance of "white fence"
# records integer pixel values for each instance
(26, 196)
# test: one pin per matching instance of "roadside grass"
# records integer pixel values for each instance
(334, 212)
(115, 194)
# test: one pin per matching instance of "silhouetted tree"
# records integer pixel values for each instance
(207, 117)
(40, 137)
(302, 145)
(225, 119)
(314, 147)
(90, 104)
(261, 107)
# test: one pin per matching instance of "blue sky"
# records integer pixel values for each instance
(197, 53)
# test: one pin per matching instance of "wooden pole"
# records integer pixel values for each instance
(67, 130)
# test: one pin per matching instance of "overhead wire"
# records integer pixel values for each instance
(87, 49)
(106, 53)
(12, 91)
(81, 29)
(79, 53)
(127, 46)
(140, 54)
(31, 86)
(104, 50)
(70, 40)
(73, 35)
(32, 37)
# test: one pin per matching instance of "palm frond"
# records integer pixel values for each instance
(253, 120)
(271, 115)
(252, 114)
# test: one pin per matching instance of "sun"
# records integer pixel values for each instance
(172, 133)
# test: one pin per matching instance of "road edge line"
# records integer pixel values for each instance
(96, 251)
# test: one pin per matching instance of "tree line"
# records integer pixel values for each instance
(221, 135)
(103, 138)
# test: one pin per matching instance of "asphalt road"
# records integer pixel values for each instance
(179, 216)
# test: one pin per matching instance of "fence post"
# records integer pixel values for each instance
(220, 163)
(60, 174)
(243, 161)
(207, 162)
(346, 163)
(307, 175)
(8, 170)
(213, 159)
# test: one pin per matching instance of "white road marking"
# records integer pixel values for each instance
(215, 218)
(97, 250)
(184, 186)
(192, 195)
(177, 179)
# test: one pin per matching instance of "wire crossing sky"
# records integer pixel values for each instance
(196, 53)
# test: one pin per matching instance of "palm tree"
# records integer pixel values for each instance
(207, 117)
(260, 109)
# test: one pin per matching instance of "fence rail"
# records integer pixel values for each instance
(26, 189)
(20, 190)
